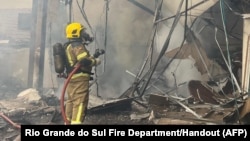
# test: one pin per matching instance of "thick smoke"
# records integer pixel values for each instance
(180, 71)
(128, 31)
(129, 28)
(13, 48)
(128, 34)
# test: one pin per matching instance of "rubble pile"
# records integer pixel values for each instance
(204, 108)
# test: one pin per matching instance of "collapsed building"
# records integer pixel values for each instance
(190, 65)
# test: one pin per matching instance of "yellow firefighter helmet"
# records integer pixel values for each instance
(73, 30)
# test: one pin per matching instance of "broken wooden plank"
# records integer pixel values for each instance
(158, 99)
(118, 104)
(245, 109)
(187, 109)
(202, 93)
(172, 121)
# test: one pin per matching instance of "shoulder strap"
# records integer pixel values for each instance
(66, 44)
(67, 66)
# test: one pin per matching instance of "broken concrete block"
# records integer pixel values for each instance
(29, 95)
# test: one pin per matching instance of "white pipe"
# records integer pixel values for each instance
(246, 54)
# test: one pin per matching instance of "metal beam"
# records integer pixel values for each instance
(142, 6)
(163, 50)
(42, 44)
(32, 44)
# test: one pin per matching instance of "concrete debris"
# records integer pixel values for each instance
(139, 116)
(159, 109)
(151, 116)
(206, 98)
(205, 113)
(29, 95)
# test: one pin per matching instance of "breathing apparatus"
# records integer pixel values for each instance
(74, 32)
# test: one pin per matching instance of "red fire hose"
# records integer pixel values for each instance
(63, 93)
(61, 102)
(10, 121)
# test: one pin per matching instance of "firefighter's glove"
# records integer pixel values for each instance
(98, 52)
(85, 62)
(97, 61)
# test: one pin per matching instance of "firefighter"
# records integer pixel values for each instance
(78, 86)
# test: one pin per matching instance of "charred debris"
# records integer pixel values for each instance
(220, 98)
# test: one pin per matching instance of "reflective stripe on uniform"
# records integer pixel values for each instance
(69, 56)
(75, 122)
(81, 56)
(79, 75)
(78, 57)
(79, 113)
(78, 116)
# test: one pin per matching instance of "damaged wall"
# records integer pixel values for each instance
(15, 54)
(129, 29)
